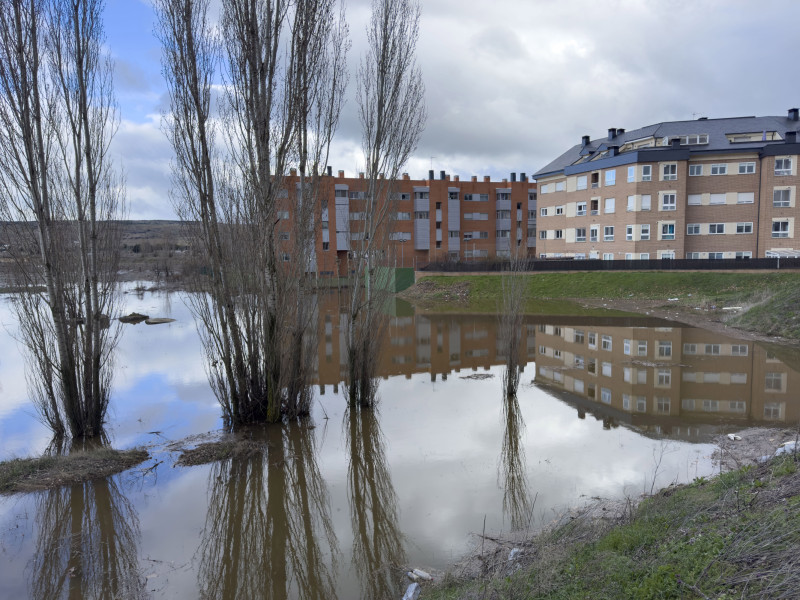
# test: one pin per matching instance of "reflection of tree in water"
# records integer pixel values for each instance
(87, 543)
(268, 531)
(377, 541)
(517, 504)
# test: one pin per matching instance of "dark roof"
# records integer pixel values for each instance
(717, 130)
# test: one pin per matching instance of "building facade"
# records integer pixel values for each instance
(707, 188)
(433, 220)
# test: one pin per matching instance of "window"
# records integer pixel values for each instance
(780, 229)
(693, 229)
(593, 233)
(695, 170)
(608, 233)
(664, 349)
(560, 187)
(690, 348)
(543, 211)
(647, 172)
(595, 180)
(739, 349)
(420, 214)
(745, 198)
(595, 208)
(664, 377)
(286, 257)
(283, 214)
(559, 233)
(631, 203)
(716, 228)
(626, 402)
(641, 348)
(669, 202)
(716, 255)
(581, 209)
(325, 245)
(403, 216)
(580, 234)
(773, 382)
(662, 405)
(592, 340)
(645, 233)
(340, 194)
(746, 168)
(781, 198)
(611, 177)
(783, 166)
(713, 349)
(646, 202)
(626, 347)
(284, 235)
(606, 342)
(506, 214)
(668, 231)
(631, 174)
(605, 369)
(542, 234)
(579, 336)
(667, 254)
(483, 235)
(608, 256)
(692, 255)
(669, 172)
(629, 233)
(609, 206)
(694, 139)
(507, 196)
(483, 198)
(695, 199)
(467, 197)
(452, 196)
(641, 376)
(721, 169)
(744, 254)
(605, 395)
(421, 195)
(581, 183)
(641, 404)
(453, 234)
(744, 228)
(559, 211)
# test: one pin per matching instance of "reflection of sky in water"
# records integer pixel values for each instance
(442, 442)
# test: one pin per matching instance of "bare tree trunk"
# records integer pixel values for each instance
(280, 105)
(391, 107)
(57, 119)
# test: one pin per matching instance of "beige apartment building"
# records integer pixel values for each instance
(707, 188)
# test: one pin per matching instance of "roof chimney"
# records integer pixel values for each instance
(330, 171)
(361, 175)
(406, 177)
(293, 172)
(620, 131)
(487, 178)
(341, 174)
(441, 175)
(612, 133)
(430, 175)
(455, 178)
(523, 177)
(585, 140)
(790, 137)
(613, 150)
(513, 177)
(474, 178)
(794, 114)
(675, 143)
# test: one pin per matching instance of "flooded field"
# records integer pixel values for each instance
(334, 508)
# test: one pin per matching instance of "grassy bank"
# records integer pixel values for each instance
(734, 536)
(771, 300)
(45, 472)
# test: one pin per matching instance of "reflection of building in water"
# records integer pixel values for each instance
(667, 372)
(435, 344)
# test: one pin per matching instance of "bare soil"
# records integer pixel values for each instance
(231, 446)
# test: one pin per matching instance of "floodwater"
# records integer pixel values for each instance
(606, 407)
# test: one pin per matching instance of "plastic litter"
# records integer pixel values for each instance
(412, 592)
(734, 437)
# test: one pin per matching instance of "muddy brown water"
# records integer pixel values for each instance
(339, 506)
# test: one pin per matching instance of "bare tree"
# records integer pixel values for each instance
(279, 106)
(513, 304)
(391, 103)
(62, 197)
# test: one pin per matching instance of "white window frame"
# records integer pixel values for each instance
(716, 229)
(647, 172)
(578, 236)
(669, 172)
(666, 234)
(693, 229)
(744, 228)
(610, 177)
(695, 170)
(631, 174)
(608, 233)
(719, 169)
(644, 233)
(578, 211)
(747, 168)
(782, 231)
(629, 233)
(672, 204)
(783, 166)
(785, 197)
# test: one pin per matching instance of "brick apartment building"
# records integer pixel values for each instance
(707, 188)
(434, 219)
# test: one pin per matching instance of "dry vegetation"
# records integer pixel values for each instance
(46, 472)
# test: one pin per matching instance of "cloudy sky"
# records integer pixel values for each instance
(511, 84)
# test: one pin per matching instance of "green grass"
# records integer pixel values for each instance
(772, 299)
(736, 535)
